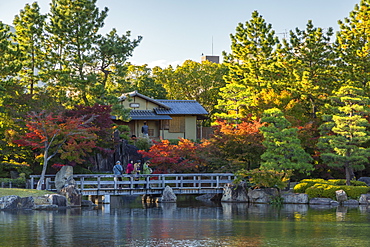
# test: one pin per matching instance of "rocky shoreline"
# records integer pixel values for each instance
(47, 202)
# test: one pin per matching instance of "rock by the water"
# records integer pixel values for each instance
(295, 198)
(350, 202)
(64, 178)
(235, 193)
(322, 201)
(209, 197)
(168, 195)
(9, 202)
(364, 199)
(59, 200)
(87, 203)
(262, 195)
(341, 196)
(26, 203)
(73, 195)
(46, 207)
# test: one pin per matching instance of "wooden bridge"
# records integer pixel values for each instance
(153, 184)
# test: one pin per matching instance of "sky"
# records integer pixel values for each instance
(174, 31)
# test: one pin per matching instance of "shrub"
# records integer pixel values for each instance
(16, 183)
(265, 178)
(315, 191)
(329, 191)
(326, 188)
(358, 183)
(337, 181)
(143, 144)
(301, 187)
(354, 192)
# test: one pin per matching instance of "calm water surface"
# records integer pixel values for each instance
(188, 224)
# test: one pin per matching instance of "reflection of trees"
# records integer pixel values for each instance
(169, 224)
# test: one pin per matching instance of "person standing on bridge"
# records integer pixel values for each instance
(130, 167)
(118, 170)
(136, 171)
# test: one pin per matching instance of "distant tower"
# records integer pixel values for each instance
(214, 59)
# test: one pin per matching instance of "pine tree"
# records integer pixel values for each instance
(283, 148)
(353, 47)
(29, 26)
(9, 64)
(73, 31)
(308, 61)
(251, 65)
(344, 132)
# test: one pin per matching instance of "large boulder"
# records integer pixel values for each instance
(16, 202)
(264, 195)
(9, 202)
(364, 199)
(365, 179)
(295, 198)
(59, 200)
(168, 195)
(26, 203)
(322, 201)
(351, 202)
(73, 195)
(64, 178)
(235, 193)
(341, 196)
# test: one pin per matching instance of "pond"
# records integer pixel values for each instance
(131, 223)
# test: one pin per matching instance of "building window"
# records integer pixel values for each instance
(165, 124)
(177, 125)
(134, 105)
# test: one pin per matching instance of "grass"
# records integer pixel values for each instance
(23, 192)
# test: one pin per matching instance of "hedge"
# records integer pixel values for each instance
(326, 188)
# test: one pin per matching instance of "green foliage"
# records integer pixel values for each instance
(193, 81)
(140, 78)
(251, 66)
(308, 67)
(283, 148)
(344, 132)
(302, 187)
(352, 47)
(29, 26)
(15, 183)
(261, 178)
(355, 192)
(143, 143)
(326, 188)
(124, 131)
(315, 191)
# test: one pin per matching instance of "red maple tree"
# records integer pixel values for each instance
(182, 157)
(70, 137)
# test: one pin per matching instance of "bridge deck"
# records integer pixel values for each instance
(152, 184)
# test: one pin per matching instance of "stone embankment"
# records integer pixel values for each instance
(240, 193)
(47, 202)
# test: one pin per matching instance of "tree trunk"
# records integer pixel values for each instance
(348, 174)
(45, 165)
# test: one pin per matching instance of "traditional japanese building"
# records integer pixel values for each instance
(167, 119)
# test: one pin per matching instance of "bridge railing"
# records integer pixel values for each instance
(108, 183)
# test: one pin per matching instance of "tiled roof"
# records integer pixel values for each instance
(147, 115)
(188, 107)
(135, 93)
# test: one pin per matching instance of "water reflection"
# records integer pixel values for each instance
(131, 223)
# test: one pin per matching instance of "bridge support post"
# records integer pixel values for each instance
(102, 199)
